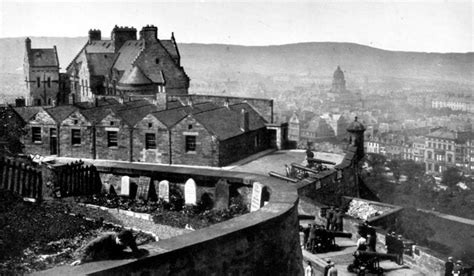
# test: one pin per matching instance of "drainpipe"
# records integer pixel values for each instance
(170, 147)
(94, 135)
(131, 144)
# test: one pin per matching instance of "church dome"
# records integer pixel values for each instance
(355, 126)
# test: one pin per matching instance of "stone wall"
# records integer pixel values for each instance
(263, 242)
(83, 150)
(263, 106)
(161, 154)
(247, 145)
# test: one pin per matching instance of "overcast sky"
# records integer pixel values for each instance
(431, 26)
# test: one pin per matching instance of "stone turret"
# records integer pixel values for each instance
(356, 130)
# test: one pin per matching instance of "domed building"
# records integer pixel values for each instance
(338, 81)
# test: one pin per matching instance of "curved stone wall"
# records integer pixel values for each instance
(264, 242)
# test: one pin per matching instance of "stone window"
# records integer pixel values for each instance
(450, 158)
(190, 143)
(150, 141)
(112, 140)
(75, 137)
(36, 134)
(49, 82)
(150, 125)
(190, 126)
(430, 167)
(429, 155)
(38, 82)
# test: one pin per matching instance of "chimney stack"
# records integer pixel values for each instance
(94, 35)
(244, 120)
(149, 33)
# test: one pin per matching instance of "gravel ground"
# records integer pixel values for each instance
(161, 231)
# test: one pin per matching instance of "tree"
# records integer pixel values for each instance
(11, 130)
(451, 177)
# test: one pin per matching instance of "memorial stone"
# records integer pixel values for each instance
(125, 186)
(164, 190)
(143, 187)
(256, 197)
(190, 192)
(222, 195)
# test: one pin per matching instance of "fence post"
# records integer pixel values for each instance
(16, 176)
(39, 185)
(2, 169)
(21, 179)
(8, 180)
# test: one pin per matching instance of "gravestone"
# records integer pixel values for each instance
(143, 187)
(256, 202)
(125, 186)
(190, 192)
(164, 190)
(222, 195)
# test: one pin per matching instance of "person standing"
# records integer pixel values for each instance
(308, 271)
(371, 242)
(458, 268)
(333, 220)
(389, 242)
(306, 236)
(327, 267)
(329, 216)
(398, 248)
(339, 220)
(448, 267)
(361, 244)
(312, 238)
(333, 270)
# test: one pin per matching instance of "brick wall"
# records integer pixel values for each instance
(83, 150)
(112, 123)
(241, 146)
(158, 155)
(206, 153)
(44, 121)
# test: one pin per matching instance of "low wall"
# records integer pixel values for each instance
(264, 242)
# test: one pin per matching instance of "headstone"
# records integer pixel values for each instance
(190, 192)
(125, 186)
(256, 197)
(143, 187)
(164, 190)
(222, 195)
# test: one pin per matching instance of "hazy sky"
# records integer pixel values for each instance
(432, 26)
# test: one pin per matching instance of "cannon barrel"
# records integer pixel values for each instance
(320, 161)
(340, 234)
(301, 167)
(380, 256)
(280, 176)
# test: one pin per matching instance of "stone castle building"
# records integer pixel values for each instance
(126, 66)
(42, 78)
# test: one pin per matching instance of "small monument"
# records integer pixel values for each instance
(143, 187)
(190, 192)
(164, 190)
(222, 195)
(257, 191)
(125, 186)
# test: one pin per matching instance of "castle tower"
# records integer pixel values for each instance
(356, 130)
(338, 81)
(41, 70)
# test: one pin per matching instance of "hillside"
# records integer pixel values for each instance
(316, 59)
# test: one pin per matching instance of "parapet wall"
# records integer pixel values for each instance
(264, 242)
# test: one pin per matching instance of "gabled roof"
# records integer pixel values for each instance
(170, 117)
(127, 54)
(27, 112)
(59, 113)
(170, 47)
(43, 57)
(133, 115)
(95, 115)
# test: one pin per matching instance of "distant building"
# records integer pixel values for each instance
(41, 70)
(338, 82)
(127, 67)
(446, 148)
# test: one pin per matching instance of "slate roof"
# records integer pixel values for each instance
(26, 113)
(170, 117)
(127, 54)
(59, 113)
(170, 47)
(100, 46)
(95, 115)
(135, 76)
(442, 134)
(99, 64)
(43, 57)
(133, 115)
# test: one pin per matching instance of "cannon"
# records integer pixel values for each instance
(325, 240)
(282, 177)
(369, 262)
(320, 161)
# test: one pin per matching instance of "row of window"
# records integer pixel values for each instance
(38, 82)
(439, 146)
(440, 157)
(112, 138)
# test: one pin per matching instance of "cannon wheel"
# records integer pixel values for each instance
(350, 268)
(379, 271)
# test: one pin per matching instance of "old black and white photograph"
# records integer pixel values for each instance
(224, 137)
